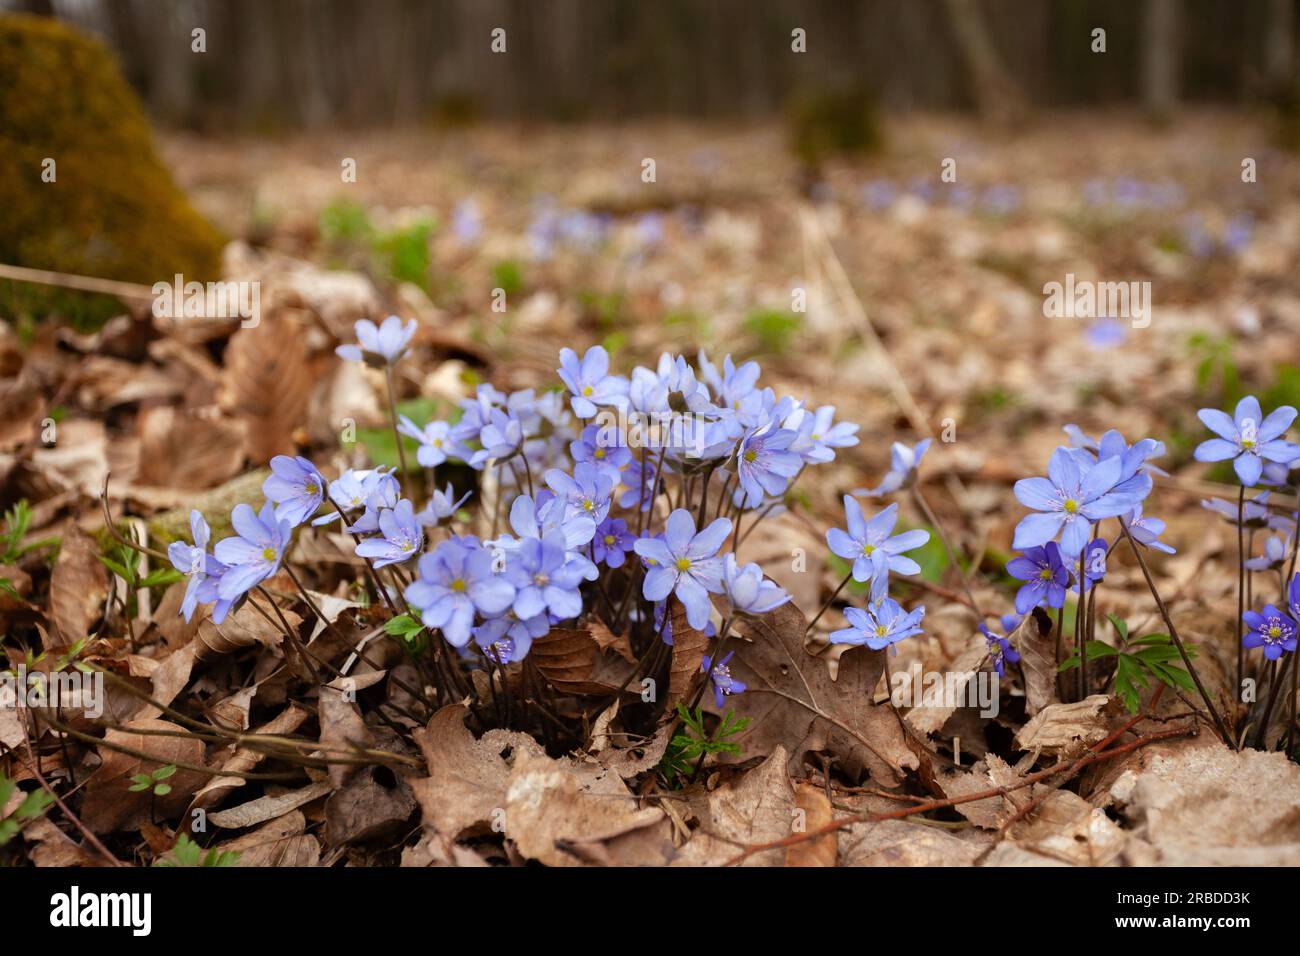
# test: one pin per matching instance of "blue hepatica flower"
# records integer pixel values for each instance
(1277, 549)
(501, 438)
(350, 491)
(1271, 630)
(1090, 566)
(545, 579)
(508, 639)
(586, 492)
(379, 345)
(1248, 438)
(385, 494)
(602, 448)
(253, 554)
(904, 466)
(442, 506)
(1070, 499)
(203, 570)
(612, 542)
(1045, 577)
(870, 547)
(819, 434)
(401, 538)
(1146, 530)
(296, 487)
(724, 685)
(589, 381)
(455, 581)
(684, 564)
(531, 519)
(1255, 512)
(765, 464)
(748, 590)
(639, 483)
(1000, 650)
(436, 443)
(1293, 597)
(883, 623)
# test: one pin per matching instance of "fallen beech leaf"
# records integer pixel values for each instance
(110, 804)
(817, 813)
(268, 808)
(607, 640)
(266, 384)
(374, 803)
(78, 587)
(795, 704)
(756, 808)
(689, 646)
(899, 843)
(281, 842)
(341, 727)
(243, 627)
(1068, 728)
(169, 679)
(566, 658)
(1037, 646)
(929, 719)
(185, 451)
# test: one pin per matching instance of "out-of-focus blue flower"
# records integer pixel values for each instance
(601, 447)
(684, 564)
(254, 552)
(545, 579)
(467, 223)
(1271, 630)
(203, 570)
(456, 580)
(350, 491)
(1277, 549)
(612, 542)
(1045, 577)
(1293, 597)
(1248, 438)
(1146, 530)
(1070, 499)
(1254, 512)
(589, 382)
(904, 466)
(639, 481)
(296, 487)
(748, 590)
(379, 345)
(870, 547)
(502, 437)
(1105, 333)
(586, 492)
(883, 623)
(724, 685)
(401, 538)
(436, 443)
(819, 434)
(442, 506)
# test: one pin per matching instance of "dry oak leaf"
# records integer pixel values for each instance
(566, 658)
(110, 804)
(268, 807)
(78, 586)
(899, 843)
(794, 703)
(688, 654)
(1068, 728)
(759, 807)
(179, 450)
(468, 777)
(562, 814)
(341, 728)
(374, 803)
(266, 384)
(817, 813)
(1033, 639)
(280, 842)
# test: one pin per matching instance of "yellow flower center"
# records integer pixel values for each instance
(1071, 506)
(598, 453)
(683, 564)
(407, 545)
(268, 554)
(1274, 631)
(609, 539)
(311, 487)
(868, 549)
(751, 456)
(458, 585)
(587, 390)
(1045, 574)
(1248, 443)
(881, 631)
(588, 505)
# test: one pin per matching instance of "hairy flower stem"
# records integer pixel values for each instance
(397, 436)
(1241, 589)
(829, 601)
(719, 645)
(1178, 643)
(1060, 637)
(1276, 679)
(291, 635)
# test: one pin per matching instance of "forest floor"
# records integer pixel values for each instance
(913, 305)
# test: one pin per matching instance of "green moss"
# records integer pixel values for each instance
(113, 210)
(832, 122)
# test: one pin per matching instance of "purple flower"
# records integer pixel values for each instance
(765, 464)
(1248, 438)
(1044, 575)
(436, 443)
(441, 507)
(1000, 650)
(350, 491)
(1271, 630)
(379, 346)
(385, 493)
(683, 563)
(545, 579)
(1293, 597)
(296, 487)
(401, 536)
(507, 639)
(724, 685)
(455, 580)
(589, 381)
(748, 590)
(612, 542)
(819, 434)
(1254, 512)
(528, 519)
(883, 623)
(639, 480)
(501, 438)
(253, 554)
(601, 447)
(586, 492)
(1069, 500)
(1090, 566)
(203, 570)
(871, 549)
(904, 466)
(1145, 530)
(1276, 551)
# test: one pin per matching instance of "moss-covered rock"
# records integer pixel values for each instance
(113, 210)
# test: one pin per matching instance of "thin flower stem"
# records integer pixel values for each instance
(718, 647)
(397, 435)
(290, 634)
(829, 601)
(1275, 680)
(1178, 643)
(1241, 589)
(933, 518)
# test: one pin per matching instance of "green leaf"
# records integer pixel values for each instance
(162, 773)
(161, 577)
(1120, 625)
(162, 789)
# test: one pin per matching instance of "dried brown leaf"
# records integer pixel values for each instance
(78, 587)
(267, 383)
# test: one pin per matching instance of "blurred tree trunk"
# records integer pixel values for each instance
(37, 8)
(1279, 44)
(997, 96)
(1160, 57)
